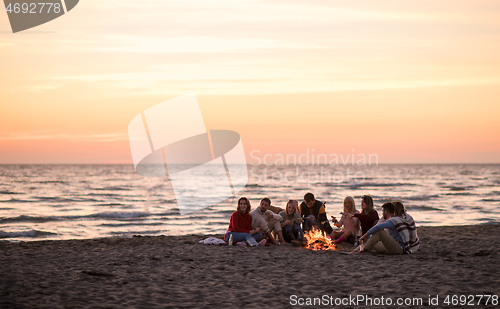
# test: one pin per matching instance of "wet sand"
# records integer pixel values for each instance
(178, 272)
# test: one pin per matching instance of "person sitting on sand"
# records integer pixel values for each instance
(384, 241)
(240, 225)
(368, 216)
(400, 237)
(350, 226)
(290, 222)
(267, 221)
(315, 214)
(408, 229)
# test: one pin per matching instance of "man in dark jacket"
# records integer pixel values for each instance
(314, 214)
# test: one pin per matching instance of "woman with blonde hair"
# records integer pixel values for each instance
(290, 222)
(349, 224)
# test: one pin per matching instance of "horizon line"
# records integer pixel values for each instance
(461, 163)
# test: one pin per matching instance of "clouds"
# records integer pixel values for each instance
(83, 76)
(291, 47)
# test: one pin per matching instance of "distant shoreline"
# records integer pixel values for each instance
(326, 164)
(221, 236)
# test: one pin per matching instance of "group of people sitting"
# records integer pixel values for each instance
(394, 233)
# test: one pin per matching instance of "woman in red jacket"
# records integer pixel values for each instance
(240, 225)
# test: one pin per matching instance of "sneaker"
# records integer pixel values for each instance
(262, 242)
(241, 243)
(252, 242)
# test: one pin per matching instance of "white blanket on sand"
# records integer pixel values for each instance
(213, 241)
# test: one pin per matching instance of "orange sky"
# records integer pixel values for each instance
(413, 82)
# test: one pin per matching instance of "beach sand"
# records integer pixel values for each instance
(178, 272)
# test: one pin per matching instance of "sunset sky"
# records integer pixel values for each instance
(410, 81)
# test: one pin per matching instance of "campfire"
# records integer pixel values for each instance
(317, 241)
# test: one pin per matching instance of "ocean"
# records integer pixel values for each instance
(39, 202)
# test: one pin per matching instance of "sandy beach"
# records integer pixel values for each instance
(179, 272)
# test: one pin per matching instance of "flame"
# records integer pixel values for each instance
(316, 240)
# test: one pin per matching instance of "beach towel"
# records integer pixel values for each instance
(213, 241)
(408, 231)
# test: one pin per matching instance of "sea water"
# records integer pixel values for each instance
(90, 201)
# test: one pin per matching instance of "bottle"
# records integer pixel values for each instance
(231, 239)
(356, 242)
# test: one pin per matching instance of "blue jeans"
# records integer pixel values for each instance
(292, 232)
(308, 224)
(242, 236)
